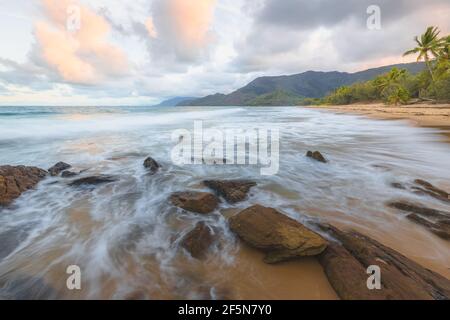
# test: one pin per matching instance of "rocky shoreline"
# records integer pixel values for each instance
(344, 255)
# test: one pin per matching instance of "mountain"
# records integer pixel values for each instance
(175, 101)
(280, 89)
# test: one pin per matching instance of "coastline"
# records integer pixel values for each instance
(435, 116)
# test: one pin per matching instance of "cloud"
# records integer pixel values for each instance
(183, 29)
(84, 55)
(292, 36)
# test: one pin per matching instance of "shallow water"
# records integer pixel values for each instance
(125, 235)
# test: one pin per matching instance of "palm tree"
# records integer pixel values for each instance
(427, 45)
(444, 51)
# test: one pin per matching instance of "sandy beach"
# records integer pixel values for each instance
(424, 115)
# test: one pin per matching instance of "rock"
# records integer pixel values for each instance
(422, 187)
(93, 180)
(151, 165)
(198, 202)
(68, 174)
(232, 190)
(438, 222)
(198, 241)
(410, 207)
(347, 275)
(16, 180)
(316, 155)
(279, 236)
(58, 168)
(427, 188)
(401, 278)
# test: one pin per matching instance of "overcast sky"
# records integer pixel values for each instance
(142, 51)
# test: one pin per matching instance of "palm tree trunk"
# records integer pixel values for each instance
(427, 62)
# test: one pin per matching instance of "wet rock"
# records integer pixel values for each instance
(16, 180)
(58, 168)
(92, 181)
(414, 208)
(151, 165)
(398, 185)
(279, 236)
(232, 190)
(347, 275)
(198, 202)
(316, 155)
(438, 222)
(401, 278)
(69, 174)
(422, 187)
(198, 241)
(427, 188)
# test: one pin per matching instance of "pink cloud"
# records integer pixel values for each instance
(83, 55)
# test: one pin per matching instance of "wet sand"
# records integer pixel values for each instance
(423, 115)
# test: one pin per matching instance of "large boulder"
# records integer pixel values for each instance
(198, 202)
(198, 241)
(58, 168)
(316, 155)
(151, 165)
(16, 180)
(401, 278)
(279, 236)
(232, 190)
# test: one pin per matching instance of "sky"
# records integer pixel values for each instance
(111, 52)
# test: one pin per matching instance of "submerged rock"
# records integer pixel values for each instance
(151, 165)
(16, 180)
(198, 202)
(401, 278)
(316, 155)
(58, 168)
(92, 181)
(232, 190)
(198, 241)
(429, 189)
(422, 187)
(279, 236)
(437, 221)
(69, 174)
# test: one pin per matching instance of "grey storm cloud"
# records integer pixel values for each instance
(312, 14)
(297, 35)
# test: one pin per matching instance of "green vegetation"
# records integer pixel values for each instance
(277, 98)
(398, 86)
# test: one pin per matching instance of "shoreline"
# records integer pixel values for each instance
(436, 116)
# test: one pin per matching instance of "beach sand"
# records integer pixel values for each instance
(423, 115)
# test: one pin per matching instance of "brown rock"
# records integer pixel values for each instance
(347, 275)
(427, 188)
(316, 155)
(281, 237)
(438, 222)
(198, 202)
(151, 165)
(16, 180)
(198, 241)
(58, 168)
(410, 207)
(232, 190)
(401, 278)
